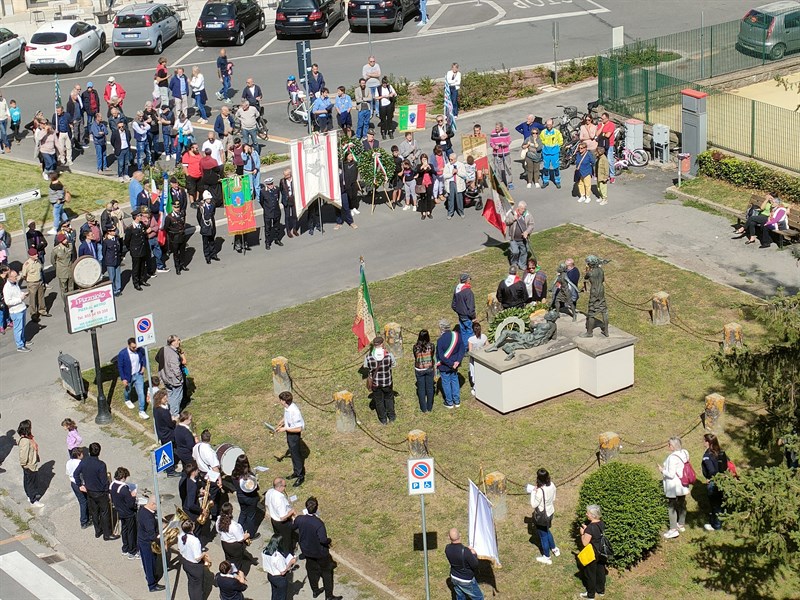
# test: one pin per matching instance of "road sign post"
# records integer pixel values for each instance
(304, 68)
(421, 481)
(155, 457)
(144, 331)
(555, 53)
(19, 200)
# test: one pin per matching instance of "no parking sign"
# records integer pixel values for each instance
(144, 330)
(421, 476)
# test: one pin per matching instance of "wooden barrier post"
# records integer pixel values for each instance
(715, 407)
(417, 444)
(493, 307)
(661, 308)
(609, 446)
(281, 380)
(496, 493)
(393, 339)
(345, 412)
(732, 336)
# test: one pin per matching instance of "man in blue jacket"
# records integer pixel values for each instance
(463, 305)
(130, 366)
(179, 87)
(449, 353)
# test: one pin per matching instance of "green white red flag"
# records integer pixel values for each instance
(412, 117)
(364, 323)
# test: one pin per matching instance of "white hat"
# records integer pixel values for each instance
(207, 195)
(111, 79)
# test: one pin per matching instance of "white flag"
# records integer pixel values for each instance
(482, 536)
(315, 170)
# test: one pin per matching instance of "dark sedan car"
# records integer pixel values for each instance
(308, 17)
(382, 13)
(229, 21)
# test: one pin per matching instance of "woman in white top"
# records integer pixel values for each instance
(193, 559)
(185, 134)
(476, 342)
(277, 565)
(674, 490)
(233, 538)
(198, 84)
(543, 500)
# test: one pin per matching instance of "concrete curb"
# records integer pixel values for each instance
(720, 207)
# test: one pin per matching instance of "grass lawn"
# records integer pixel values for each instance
(361, 484)
(717, 191)
(88, 193)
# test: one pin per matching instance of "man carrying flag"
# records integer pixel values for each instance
(498, 205)
(364, 323)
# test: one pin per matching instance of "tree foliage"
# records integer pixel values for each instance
(772, 370)
(634, 509)
(763, 507)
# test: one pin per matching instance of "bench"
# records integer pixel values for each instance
(791, 234)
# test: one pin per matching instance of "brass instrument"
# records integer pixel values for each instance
(207, 503)
(170, 532)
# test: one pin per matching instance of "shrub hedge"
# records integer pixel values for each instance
(749, 174)
(634, 509)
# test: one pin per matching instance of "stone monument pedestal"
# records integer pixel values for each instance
(598, 365)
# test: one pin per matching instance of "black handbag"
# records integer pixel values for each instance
(540, 517)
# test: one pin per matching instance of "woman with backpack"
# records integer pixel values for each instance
(543, 499)
(594, 573)
(676, 486)
(714, 461)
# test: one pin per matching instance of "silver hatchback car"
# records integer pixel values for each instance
(148, 26)
(771, 30)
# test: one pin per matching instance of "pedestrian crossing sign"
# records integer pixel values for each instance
(164, 457)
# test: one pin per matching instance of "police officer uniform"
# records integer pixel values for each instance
(270, 200)
(138, 244)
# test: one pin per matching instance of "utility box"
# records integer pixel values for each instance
(694, 125)
(70, 370)
(634, 134)
(661, 142)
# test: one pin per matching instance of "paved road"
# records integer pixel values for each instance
(26, 576)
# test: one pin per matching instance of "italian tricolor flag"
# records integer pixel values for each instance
(364, 324)
(412, 117)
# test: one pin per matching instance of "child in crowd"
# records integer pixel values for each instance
(16, 117)
(75, 457)
(476, 342)
(409, 177)
(396, 179)
(470, 169)
(74, 439)
(602, 170)
(292, 89)
(472, 196)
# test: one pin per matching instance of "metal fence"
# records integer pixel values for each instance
(644, 80)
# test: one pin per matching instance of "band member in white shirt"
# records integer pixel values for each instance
(293, 424)
(277, 565)
(208, 464)
(280, 513)
(193, 559)
(233, 538)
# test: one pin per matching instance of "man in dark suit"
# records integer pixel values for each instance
(138, 244)
(441, 134)
(315, 546)
(208, 226)
(121, 143)
(94, 474)
(269, 198)
(287, 199)
(146, 533)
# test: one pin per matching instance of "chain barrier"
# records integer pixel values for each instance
(307, 400)
(629, 304)
(693, 334)
(647, 448)
(317, 404)
(377, 440)
(329, 370)
(698, 333)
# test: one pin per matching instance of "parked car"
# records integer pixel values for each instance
(382, 13)
(229, 21)
(64, 44)
(148, 26)
(771, 30)
(308, 17)
(12, 48)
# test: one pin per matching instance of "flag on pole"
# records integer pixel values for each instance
(166, 199)
(448, 107)
(57, 92)
(496, 207)
(412, 117)
(482, 535)
(364, 323)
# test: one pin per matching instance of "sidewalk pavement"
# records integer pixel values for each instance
(100, 569)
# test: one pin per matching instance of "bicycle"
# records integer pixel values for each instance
(298, 110)
(626, 157)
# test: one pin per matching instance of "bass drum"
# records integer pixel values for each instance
(227, 455)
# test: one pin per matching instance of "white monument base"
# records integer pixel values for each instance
(598, 365)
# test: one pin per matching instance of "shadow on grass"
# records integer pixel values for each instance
(738, 569)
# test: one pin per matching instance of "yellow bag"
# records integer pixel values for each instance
(587, 556)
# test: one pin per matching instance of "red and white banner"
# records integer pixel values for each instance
(315, 170)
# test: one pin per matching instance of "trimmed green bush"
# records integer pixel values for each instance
(634, 509)
(749, 174)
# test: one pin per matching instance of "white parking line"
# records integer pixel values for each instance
(577, 13)
(32, 578)
(341, 39)
(20, 76)
(97, 70)
(265, 46)
(180, 60)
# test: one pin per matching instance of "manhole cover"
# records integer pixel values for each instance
(52, 559)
